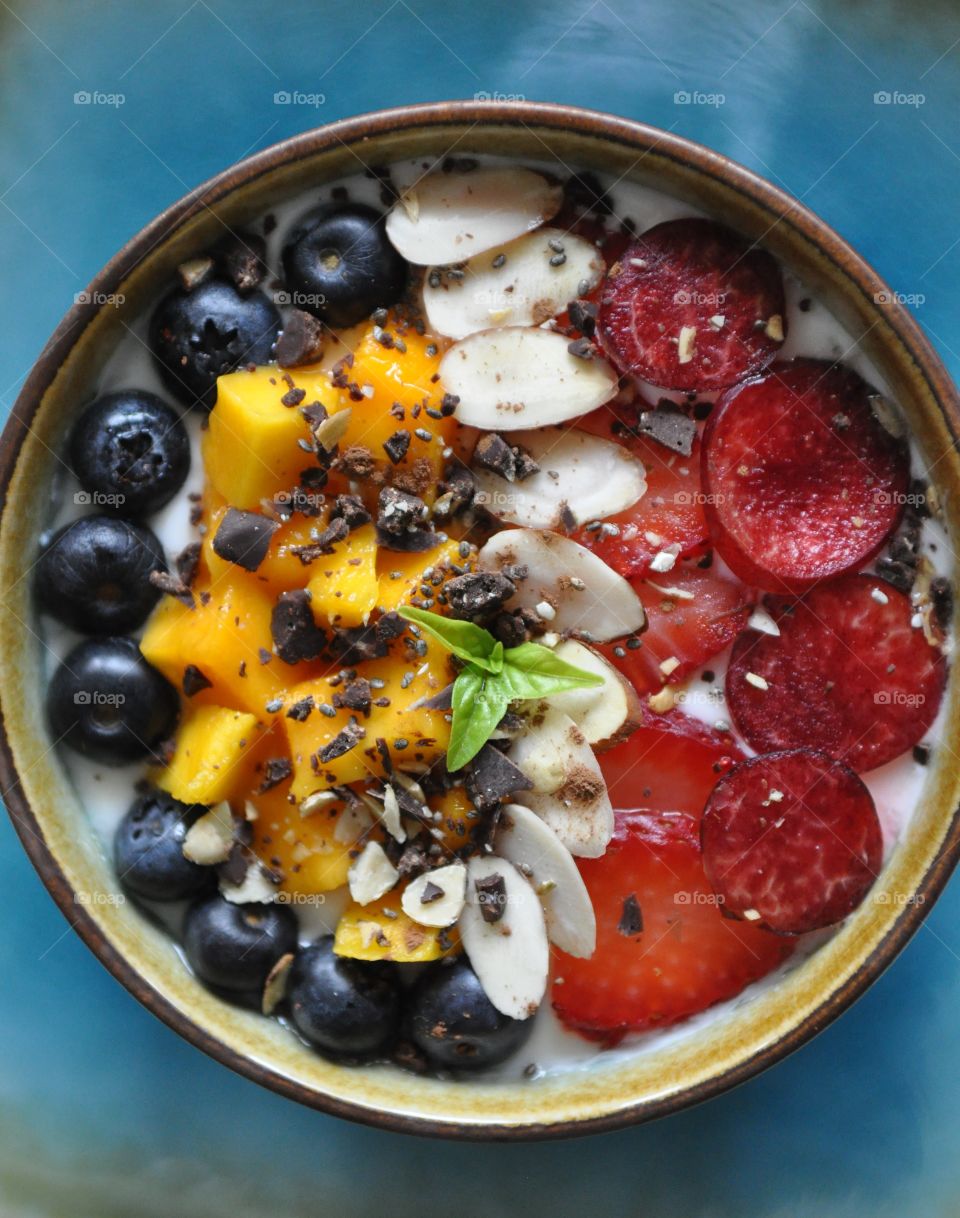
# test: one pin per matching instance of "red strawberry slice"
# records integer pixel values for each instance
(802, 479)
(692, 306)
(791, 841)
(692, 615)
(670, 763)
(664, 949)
(849, 674)
(670, 515)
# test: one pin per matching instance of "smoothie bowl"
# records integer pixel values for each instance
(477, 620)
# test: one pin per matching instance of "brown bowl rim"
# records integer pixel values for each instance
(778, 204)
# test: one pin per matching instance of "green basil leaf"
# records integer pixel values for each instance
(465, 639)
(533, 671)
(479, 701)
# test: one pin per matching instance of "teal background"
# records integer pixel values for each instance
(103, 1110)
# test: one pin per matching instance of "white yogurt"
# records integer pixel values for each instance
(897, 788)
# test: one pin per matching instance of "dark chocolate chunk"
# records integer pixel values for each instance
(351, 509)
(293, 397)
(187, 562)
(194, 680)
(941, 598)
(172, 586)
(510, 629)
(336, 530)
(900, 575)
(244, 538)
(296, 636)
(491, 777)
(357, 462)
(440, 701)
(631, 917)
(343, 742)
(355, 644)
(494, 453)
(460, 484)
(491, 896)
(478, 594)
(431, 892)
(301, 709)
(670, 427)
(921, 753)
(275, 771)
(525, 464)
(355, 695)
(389, 626)
(582, 348)
(244, 260)
(300, 341)
(414, 541)
(397, 511)
(397, 445)
(583, 316)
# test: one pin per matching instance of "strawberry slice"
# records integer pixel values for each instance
(692, 306)
(670, 763)
(692, 615)
(670, 516)
(664, 949)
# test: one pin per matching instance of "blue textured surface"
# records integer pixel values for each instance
(104, 1111)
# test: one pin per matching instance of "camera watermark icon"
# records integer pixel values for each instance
(112, 499)
(99, 898)
(898, 697)
(96, 697)
(485, 95)
(296, 97)
(894, 97)
(94, 97)
(115, 299)
(696, 97)
(913, 299)
(299, 300)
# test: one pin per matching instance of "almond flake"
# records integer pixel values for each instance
(686, 344)
(756, 681)
(371, 874)
(761, 620)
(670, 665)
(442, 910)
(209, 839)
(774, 328)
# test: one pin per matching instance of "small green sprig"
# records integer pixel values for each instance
(492, 678)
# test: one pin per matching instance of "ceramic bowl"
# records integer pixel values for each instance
(70, 858)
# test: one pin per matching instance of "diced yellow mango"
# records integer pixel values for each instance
(227, 636)
(209, 761)
(251, 448)
(401, 575)
(364, 932)
(426, 732)
(312, 852)
(459, 817)
(281, 569)
(343, 585)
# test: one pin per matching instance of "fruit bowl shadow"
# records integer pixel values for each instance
(60, 840)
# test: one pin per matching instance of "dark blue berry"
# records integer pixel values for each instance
(199, 335)
(340, 266)
(130, 450)
(347, 1008)
(94, 574)
(233, 947)
(148, 849)
(455, 1025)
(108, 703)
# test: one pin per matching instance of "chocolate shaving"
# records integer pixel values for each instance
(187, 562)
(300, 711)
(194, 681)
(301, 340)
(336, 530)
(397, 445)
(275, 771)
(631, 917)
(431, 892)
(355, 695)
(244, 260)
(669, 426)
(296, 636)
(343, 742)
(491, 776)
(172, 586)
(478, 594)
(491, 896)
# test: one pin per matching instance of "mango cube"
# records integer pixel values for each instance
(343, 586)
(209, 760)
(364, 932)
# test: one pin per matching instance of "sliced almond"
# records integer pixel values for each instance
(591, 600)
(258, 886)
(209, 839)
(519, 377)
(523, 283)
(450, 217)
(606, 714)
(424, 905)
(532, 846)
(569, 791)
(510, 956)
(371, 874)
(582, 477)
(275, 987)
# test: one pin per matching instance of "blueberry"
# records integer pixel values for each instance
(233, 947)
(340, 266)
(107, 702)
(148, 849)
(94, 574)
(130, 451)
(199, 335)
(452, 1021)
(348, 1008)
